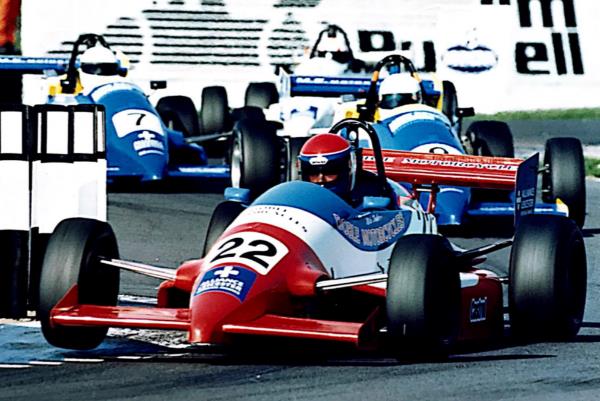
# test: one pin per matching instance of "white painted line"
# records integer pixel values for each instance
(84, 360)
(13, 366)
(130, 357)
(20, 322)
(45, 363)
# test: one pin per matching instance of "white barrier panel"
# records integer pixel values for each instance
(68, 181)
(501, 54)
(14, 169)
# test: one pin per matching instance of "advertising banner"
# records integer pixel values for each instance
(501, 54)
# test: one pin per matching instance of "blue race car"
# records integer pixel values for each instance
(426, 129)
(143, 143)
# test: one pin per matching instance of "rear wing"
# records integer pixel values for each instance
(34, 65)
(304, 85)
(430, 169)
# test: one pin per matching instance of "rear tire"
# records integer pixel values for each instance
(179, 113)
(261, 94)
(214, 111)
(547, 278)
(255, 157)
(423, 297)
(73, 258)
(491, 138)
(222, 217)
(565, 177)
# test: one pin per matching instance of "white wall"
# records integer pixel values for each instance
(254, 29)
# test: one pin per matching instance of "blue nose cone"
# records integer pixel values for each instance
(451, 205)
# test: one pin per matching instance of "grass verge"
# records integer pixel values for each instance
(556, 114)
(592, 167)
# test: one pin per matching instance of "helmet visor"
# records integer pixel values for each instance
(106, 69)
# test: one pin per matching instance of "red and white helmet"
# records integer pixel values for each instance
(329, 160)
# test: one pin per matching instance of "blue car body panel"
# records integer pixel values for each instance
(428, 130)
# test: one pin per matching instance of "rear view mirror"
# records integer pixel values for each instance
(154, 85)
(465, 112)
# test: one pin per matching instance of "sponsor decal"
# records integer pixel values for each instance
(385, 159)
(363, 235)
(525, 200)
(232, 280)
(478, 310)
(148, 144)
(258, 251)
(471, 57)
(318, 160)
(459, 164)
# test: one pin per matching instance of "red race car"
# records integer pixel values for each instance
(299, 262)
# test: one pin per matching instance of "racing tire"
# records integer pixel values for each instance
(261, 94)
(294, 147)
(179, 114)
(222, 217)
(73, 258)
(564, 177)
(423, 297)
(450, 103)
(214, 111)
(547, 278)
(491, 138)
(255, 156)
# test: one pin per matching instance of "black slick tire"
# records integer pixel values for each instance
(261, 94)
(222, 217)
(256, 154)
(423, 297)
(564, 177)
(73, 258)
(491, 138)
(547, 278)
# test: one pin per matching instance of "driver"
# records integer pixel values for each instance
(98, 66)
(398, 90)
(330, 161)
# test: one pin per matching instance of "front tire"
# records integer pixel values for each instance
(564, 177)
(179, 113)
(491, 138)
(222, 217)
(423, 297)
(73, 259)
(547, 278)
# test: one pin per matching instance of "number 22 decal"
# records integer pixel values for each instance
(259, 251)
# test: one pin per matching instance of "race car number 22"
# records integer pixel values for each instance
(258, 251)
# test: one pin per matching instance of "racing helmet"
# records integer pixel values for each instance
(329, 160)
(98, 65)
(399, 89)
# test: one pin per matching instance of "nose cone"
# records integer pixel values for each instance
(218, 296)
(451, 205)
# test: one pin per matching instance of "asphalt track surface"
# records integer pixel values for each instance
(165, 229)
